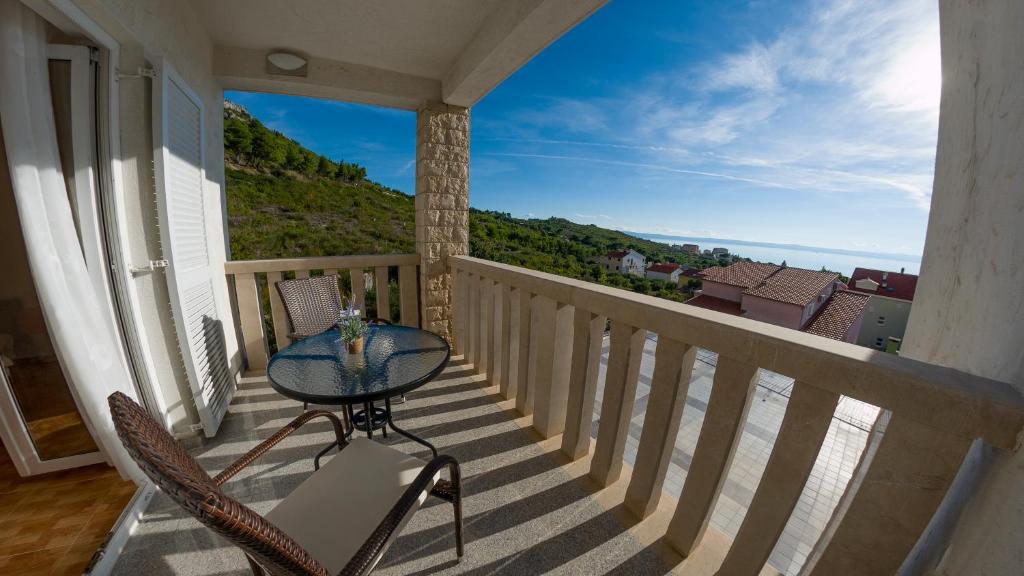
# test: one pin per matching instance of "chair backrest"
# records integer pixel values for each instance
(313, 304)
(178, 474)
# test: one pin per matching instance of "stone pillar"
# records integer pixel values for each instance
(442, 206)
(967, 311)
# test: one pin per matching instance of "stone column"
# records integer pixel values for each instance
(442, 206)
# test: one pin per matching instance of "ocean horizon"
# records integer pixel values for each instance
(802, 256)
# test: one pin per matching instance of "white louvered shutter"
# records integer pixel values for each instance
(178, 162)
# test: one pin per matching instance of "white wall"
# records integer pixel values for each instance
(147, 29)
(969, 308)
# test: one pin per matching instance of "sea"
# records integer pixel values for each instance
(811, 257)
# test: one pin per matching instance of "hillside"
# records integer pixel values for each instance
(286, 201)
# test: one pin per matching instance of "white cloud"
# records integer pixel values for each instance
(842, 101)
(593, 216)
(756, 68)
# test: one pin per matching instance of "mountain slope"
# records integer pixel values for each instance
(286, 201)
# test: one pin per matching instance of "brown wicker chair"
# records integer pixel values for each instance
(313, 304)
(339, 521)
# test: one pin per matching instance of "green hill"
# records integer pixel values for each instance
(287, 201)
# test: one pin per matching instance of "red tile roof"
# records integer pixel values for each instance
(794, 286)
(664, 268)
(716, 304)
(838, 314)
(897, 285)
(742, 274)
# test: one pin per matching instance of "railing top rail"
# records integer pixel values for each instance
(938, 397)
(320, 262)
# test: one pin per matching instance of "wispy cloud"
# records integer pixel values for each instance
(843, 100)
(593, 216)
(642, 165)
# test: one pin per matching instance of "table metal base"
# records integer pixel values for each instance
(381, 421)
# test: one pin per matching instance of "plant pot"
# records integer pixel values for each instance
(355, 346)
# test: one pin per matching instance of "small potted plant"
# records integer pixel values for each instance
(352, 329)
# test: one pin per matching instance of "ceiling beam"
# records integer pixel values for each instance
(513, 34)
(246, 69)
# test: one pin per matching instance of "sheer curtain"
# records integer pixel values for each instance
(70, 304)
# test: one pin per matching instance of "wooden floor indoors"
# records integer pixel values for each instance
(53, 523)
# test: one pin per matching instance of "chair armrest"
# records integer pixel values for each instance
(281, 434)
(371, 550)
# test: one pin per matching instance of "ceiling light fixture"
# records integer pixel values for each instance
(281, 62)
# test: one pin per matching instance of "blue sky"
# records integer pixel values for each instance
(811, 122)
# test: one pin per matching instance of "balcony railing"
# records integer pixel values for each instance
(255, 292)
(538, 337)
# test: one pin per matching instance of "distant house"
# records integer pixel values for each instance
(796, 298)
(717, 252)
(691, 248)
(667, 272)
(891, 295)
(624, 262)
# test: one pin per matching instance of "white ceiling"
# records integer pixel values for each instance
(398, 53)
(417, 37)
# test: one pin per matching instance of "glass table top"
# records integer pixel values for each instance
(395, 360)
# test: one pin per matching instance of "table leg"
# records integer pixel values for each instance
(384, 428)
(410, 436)
(368, 411)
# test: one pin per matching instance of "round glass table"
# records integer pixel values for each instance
(395, 360)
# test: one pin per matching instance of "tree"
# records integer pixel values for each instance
(237, 139)
(294, 159)
(267, 149)
(326, 168)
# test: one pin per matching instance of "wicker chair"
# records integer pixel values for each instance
(313, 305)
(340, 520)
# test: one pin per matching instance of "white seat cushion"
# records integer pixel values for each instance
(336, 509)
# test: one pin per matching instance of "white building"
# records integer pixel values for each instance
(667, 272)
(624, 262)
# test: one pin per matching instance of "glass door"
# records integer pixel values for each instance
(43, 428)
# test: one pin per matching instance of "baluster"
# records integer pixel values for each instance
(587, 340)
(804, 426)
(409, 308)
(277, 311)
(502, 335)
(731, 393)
(627, 346)
(473, 319)
(485, 330)
(673, 368)
(383, 290)
(550, 361)
(358, 289)
(460, 300)
(248, 298)
(900, 481)
(519, 358)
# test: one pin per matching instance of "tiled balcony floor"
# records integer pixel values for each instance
(527, 510)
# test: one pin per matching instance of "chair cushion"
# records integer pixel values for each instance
(335, 510)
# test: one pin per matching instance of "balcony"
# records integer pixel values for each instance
(605, 432)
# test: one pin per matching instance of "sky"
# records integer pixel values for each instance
(810, 122)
